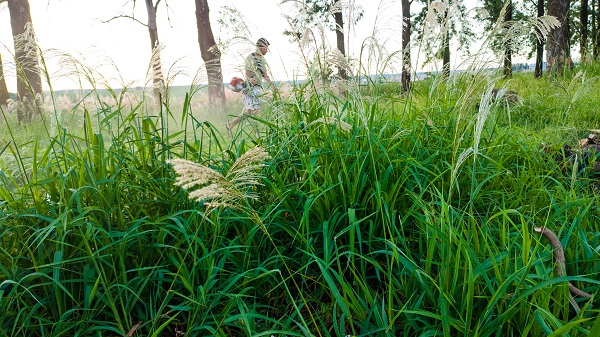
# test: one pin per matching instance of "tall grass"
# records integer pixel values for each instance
(379, 219)
(377, 213)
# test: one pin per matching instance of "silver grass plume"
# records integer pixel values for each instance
(583, 84)
(543, 25)
(215, 50)
(375, 56)
(307, 38)
(155, 74)
(461, 159)
(213, 67)
(483, 113)
(217, 190)
(436, 29)
(338, 59)
(485, 105)
(332, 121)
(353, 13)
(244, 174)
(539, 27)
(320, 66)
(512, 31)
(155, 63)
(435, 15)
(76, 69)
(27, 43)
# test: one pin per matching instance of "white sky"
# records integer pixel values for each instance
(75, 26)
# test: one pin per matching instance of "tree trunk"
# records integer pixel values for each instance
(558, 54)
(594, 31)
(446, 53)
(583, 42)
(3, 88)
(507, 44)
(29, 80)
(539, 53)
(406, 60)
(339, 34)
(156, 69)
(211, 55)
(597, 37)
(446, 61)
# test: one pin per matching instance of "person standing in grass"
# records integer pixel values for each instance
(255, 71)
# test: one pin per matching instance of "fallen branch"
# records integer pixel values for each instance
(560, 267)
(130, 333)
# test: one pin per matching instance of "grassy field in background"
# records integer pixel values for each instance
(371, 214)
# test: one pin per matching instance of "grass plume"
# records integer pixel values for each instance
(217, 190)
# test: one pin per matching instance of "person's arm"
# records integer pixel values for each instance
(265, 75)
(267, 79)
(250, 76)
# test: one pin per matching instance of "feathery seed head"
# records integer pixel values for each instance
(245, 172)
(332, 121)
(435, 16)
(216, 190)
(543, 25)
(26, 43)
(438, 6)
(190, 174)
(482, 12)
(338, 59)
(155, 73)
(307, 38)
(253, 157)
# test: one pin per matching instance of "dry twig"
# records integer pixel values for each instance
(560, 267)
(130, 333)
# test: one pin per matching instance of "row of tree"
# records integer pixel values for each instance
(503, 19)
(27, 56)
(29, 80)
(559, 37)
(557, 23)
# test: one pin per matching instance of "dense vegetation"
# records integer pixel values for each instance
(377, 214)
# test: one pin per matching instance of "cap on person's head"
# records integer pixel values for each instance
(262, 42)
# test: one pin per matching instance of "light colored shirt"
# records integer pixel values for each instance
(255, 68)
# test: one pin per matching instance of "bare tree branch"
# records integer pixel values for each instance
(168, 11)
(124, 16)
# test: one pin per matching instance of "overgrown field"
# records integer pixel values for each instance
(371, 214)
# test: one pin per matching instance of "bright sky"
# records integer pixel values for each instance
(76, 27)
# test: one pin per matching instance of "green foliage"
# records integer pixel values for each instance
(311, 13)
(379, 215)
(435, 26)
